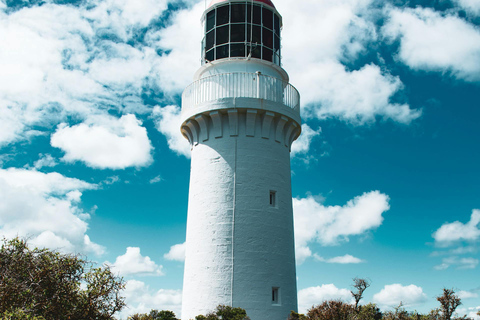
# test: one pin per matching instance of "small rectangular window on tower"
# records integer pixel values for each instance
(273, 200)
(276, 296)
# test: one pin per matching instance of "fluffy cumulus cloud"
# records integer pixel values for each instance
(177, 252)
(330, 225)
(141, 299)
(472, 6)
(133, 263)
(302, 144)
(394, 294)
(359, 96)
(45, 208)
(67, 61)
(168, 121)
(435, 42)
(316, 295)
(340, 31)
(453, 232)
(105, 142)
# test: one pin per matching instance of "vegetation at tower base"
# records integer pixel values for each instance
(361, 285)
(154, 315)
(225, 313)
(448, 303)
(37, 284)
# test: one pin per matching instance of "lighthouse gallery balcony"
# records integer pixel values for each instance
(240, 85)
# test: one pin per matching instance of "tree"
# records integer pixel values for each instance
(361, 285)
(449, 301)
(44, 283)
(369, 312)
(296, 316)
(331, 310)
(154, 315)
(225, 313)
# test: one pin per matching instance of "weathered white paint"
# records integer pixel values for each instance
(239, 247)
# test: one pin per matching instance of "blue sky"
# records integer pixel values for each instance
(92, 159)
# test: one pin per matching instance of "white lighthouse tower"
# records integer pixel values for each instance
(240, 116)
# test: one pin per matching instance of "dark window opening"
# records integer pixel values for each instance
(238, 13)
(222, 35)
(210, 40)
(267, 54)
(276, 44)
(267, 38)
(275, 295)
(237, 50)
(267, 18)
(221, 52)
(257, 15)
(210, 55)
(238, 33)
(210, 20)
(223, 15)
(276, 19)
(254, 34)
(273, 198)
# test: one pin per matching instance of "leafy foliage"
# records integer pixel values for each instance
(154, 315)
(331, 310)
(40, 283)
(225, 313)
(361, 285)
(449, 301)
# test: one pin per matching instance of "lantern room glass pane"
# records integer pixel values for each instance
(254, 35)
(237, 50)
(267, 18)
(210, 55)
(257, 15)
(267, 38)
(210, 39)
(256, 51)
(276, 19)
(276, 44)
(222, 35)
(221, 52)
(223, 15)
(210, 20)
(267, 54)
(237, 33)
(238, 13)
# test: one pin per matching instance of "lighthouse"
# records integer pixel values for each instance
(241, 117)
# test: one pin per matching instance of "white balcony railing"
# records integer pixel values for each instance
(240, 85)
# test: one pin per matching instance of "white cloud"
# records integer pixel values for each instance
(472, 6)
(316, 295)
(133, 263)
(177, 252)
(340, 31)
(168, 121)
(330, 225)
(45, 208)
(302, 144)
(45, 161)
(346, 259)
(105, 143)
(460, 263)
(141, 299)
(432, 42)
(450, 233)
(358, 97)
(182, 39)
(394, 294)
(74, 61)
(156, 179)
(467, 294)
